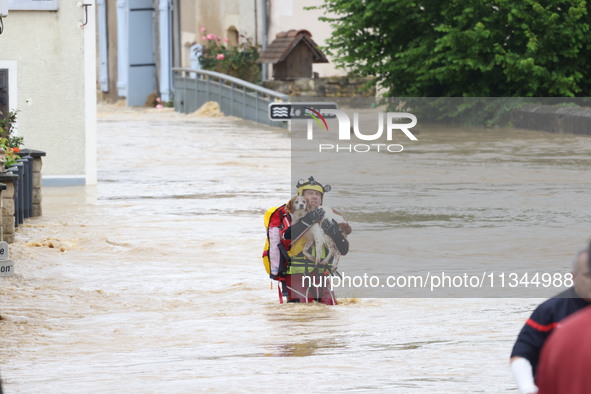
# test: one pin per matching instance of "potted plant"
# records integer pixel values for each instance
(9, 143)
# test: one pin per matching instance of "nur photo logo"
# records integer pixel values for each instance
(317, 116)
(389, 125)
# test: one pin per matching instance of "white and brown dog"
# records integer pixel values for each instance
(315, 236)
(297, 207)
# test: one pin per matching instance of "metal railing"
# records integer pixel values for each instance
(193, 88)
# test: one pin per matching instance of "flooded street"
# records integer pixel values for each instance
(152, 281)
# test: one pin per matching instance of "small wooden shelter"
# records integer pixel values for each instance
(292, 54)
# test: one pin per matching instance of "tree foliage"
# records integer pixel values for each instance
(470, 48)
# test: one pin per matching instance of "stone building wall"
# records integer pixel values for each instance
(338, 87)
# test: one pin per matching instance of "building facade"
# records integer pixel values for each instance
(47, 50)
(171, 27)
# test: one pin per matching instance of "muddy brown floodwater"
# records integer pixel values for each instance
(151, 281)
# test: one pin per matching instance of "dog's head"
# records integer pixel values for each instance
(345, 229)
(297, 203)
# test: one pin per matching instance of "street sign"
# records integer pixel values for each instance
(3, 250)
(286, 111)
(6, 268)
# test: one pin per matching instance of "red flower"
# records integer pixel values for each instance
(15, 150)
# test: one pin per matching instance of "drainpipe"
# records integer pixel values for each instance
(103, 46)
(122, 57)
(176, 32)
(165, 61)
(256, 22)
(265, 38)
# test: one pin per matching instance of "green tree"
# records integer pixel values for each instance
(469, 48)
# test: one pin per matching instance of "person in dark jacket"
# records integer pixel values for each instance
(544, 319)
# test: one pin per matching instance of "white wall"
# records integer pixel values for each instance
(56, 78)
